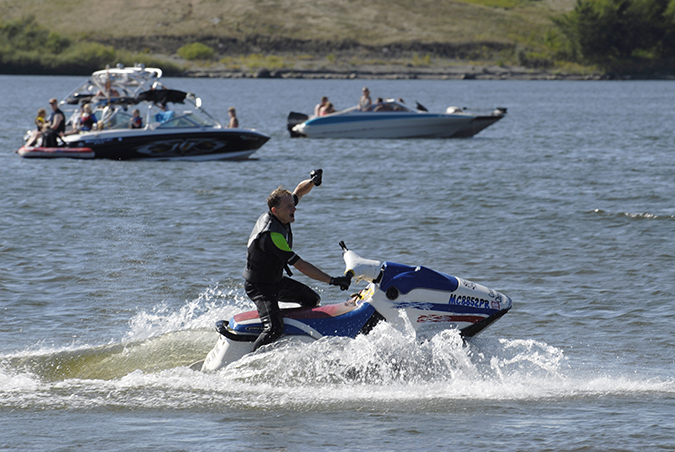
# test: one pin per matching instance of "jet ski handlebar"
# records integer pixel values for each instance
(359, 268)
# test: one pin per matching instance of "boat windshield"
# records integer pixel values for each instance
(390, 105)
(119, 120)
(154, 118)
(186, 119)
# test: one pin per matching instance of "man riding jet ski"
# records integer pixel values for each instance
(270, 252)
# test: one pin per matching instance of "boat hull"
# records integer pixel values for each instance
(479, 123)
(383, 125)
(194, 145)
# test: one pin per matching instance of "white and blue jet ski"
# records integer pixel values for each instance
(399, 294)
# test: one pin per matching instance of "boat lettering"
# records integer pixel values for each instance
(463, 300)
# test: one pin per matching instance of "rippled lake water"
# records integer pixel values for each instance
(112, 275)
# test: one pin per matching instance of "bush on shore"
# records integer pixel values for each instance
(196, 51)
(28, 48)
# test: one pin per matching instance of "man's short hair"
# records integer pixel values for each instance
(274, 199)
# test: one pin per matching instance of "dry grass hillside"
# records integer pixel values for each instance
(312, 38)
(371, 22)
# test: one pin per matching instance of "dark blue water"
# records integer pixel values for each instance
(112, 275)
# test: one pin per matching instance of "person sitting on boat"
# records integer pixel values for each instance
(85, 123)
(365, 102)
(164, 115)
(234, 122)
(40, 123)
(136, 122)
(40, 119)
(320, 105)
(55, 127)
(327, 109)
(398, 107)
(269, 253)
(88, 119)
(381, 106)
(108, 91)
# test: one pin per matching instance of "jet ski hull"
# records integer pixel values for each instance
(402, 295)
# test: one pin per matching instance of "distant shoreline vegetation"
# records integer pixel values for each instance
(625, 36)
(28, 48)
(611, 37)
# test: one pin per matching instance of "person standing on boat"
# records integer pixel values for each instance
(56, 125)
(365, 102)
(270, 252)
(234, 122)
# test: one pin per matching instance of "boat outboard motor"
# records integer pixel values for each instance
(293, 120)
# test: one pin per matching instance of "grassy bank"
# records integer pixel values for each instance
(340, 32)
(375, 22)
(290, 35)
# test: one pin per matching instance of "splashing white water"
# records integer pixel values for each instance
(149, 367)
(211, 305)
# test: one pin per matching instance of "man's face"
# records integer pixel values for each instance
(285, 211)
(54, 105)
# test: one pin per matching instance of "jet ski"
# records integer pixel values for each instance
(399, 294)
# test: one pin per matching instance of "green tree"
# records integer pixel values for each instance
(668, 42)
(601, 30)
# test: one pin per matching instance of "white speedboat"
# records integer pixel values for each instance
(173, 124)
(392, 119)
(402, 295)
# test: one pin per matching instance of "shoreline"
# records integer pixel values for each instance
(396, 72)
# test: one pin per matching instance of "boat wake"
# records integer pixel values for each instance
(150, 367)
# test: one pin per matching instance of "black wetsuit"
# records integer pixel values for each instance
(269, 253)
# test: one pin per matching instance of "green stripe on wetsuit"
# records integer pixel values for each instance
(280, 241)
